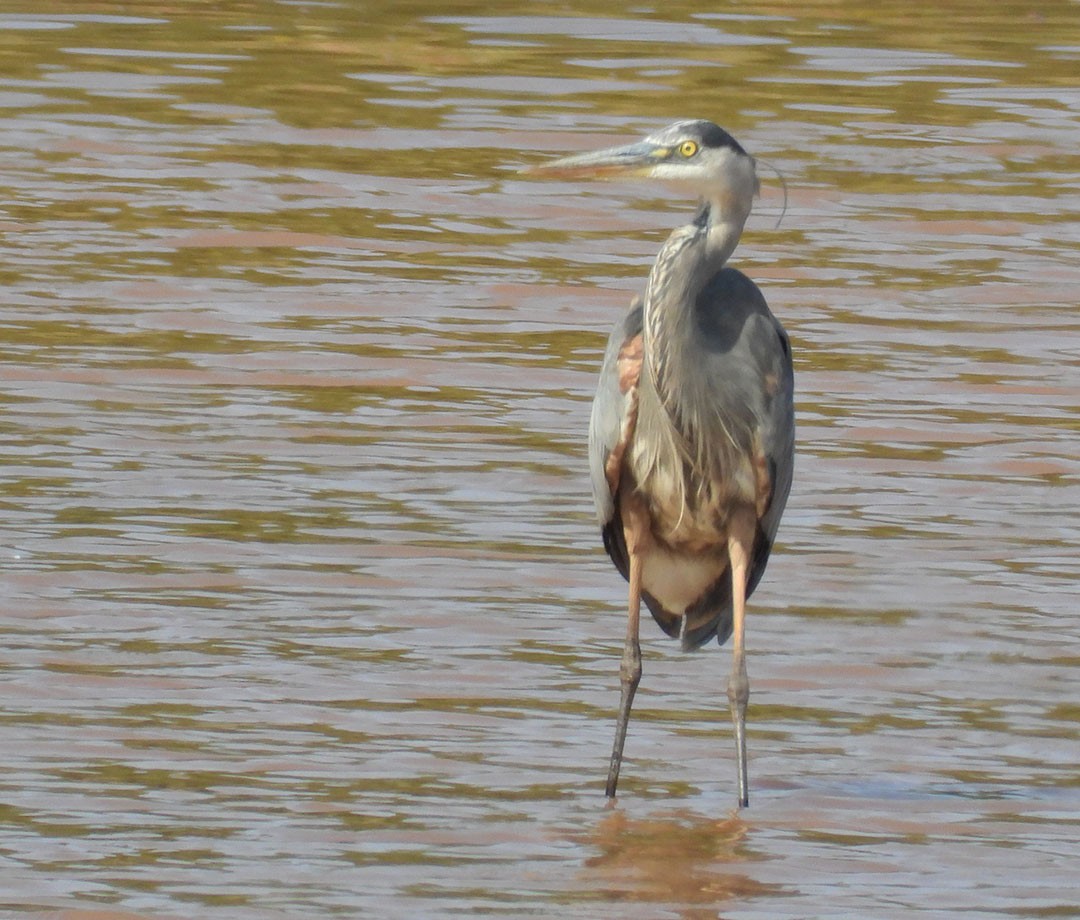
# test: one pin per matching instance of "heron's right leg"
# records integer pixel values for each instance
(741, 528)
(635, 529)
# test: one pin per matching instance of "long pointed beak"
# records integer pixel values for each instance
(632, 160)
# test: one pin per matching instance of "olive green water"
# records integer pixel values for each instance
(304, 611)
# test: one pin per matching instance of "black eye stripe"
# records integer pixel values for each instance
(704, 134)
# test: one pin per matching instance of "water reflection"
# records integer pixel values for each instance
(679, 859)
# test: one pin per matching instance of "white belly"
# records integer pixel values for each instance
(677, 580)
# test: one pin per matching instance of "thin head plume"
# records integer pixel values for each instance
(783, 185)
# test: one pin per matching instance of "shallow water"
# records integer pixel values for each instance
(306, 613)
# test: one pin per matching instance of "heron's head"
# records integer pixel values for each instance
(697, 156)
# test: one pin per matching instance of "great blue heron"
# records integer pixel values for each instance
(691, 443)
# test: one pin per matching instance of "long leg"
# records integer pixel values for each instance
(635, 527)
(740, 543)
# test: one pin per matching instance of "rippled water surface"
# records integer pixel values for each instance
(305, 612)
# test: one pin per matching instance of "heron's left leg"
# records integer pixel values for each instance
(741, 529)
(635, 529)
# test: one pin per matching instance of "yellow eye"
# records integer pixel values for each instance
(688, 148)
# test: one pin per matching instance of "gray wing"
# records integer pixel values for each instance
(750, 353)
(608, 410)
(759, 360)
(778, 431)
(619, 372)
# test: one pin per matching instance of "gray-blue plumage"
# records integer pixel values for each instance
(691, 441)
(736, 340)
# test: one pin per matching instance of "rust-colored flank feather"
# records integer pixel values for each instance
(629, 367)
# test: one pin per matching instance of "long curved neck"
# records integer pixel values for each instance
(723, 228)
(680, 425)
(688, 260)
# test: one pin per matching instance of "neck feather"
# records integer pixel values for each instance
(688, 260)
